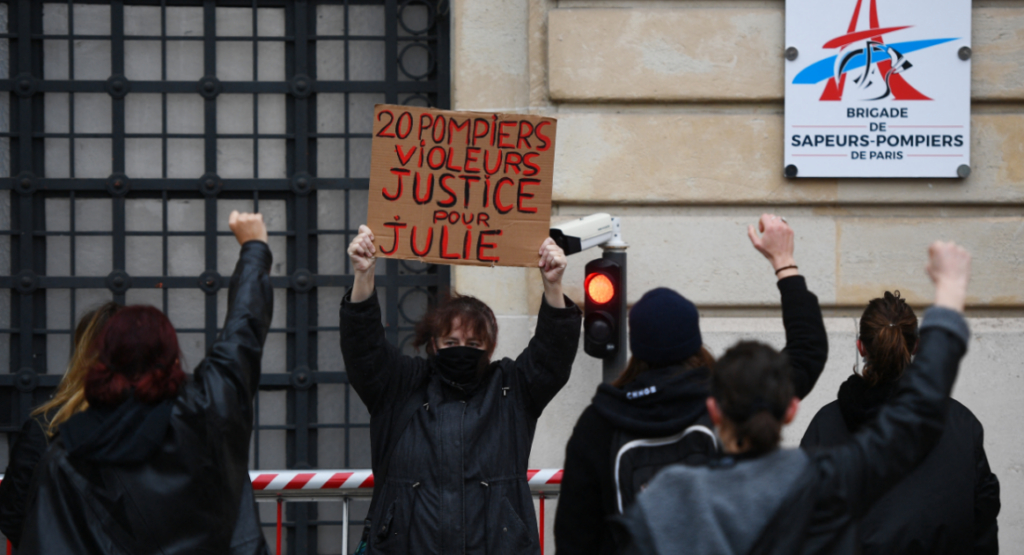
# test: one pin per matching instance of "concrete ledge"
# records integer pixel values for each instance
(725, 54)
(724, 157)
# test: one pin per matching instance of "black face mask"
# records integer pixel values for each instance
(461, 367)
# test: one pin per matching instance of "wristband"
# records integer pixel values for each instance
(790, 267)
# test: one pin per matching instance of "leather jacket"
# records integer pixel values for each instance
(457, 481)
(188, 497)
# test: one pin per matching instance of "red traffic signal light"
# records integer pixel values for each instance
(602, 308)
(600, 288)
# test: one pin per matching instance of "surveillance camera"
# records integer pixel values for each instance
(580, 235)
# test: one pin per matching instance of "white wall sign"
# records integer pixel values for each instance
(878, 88)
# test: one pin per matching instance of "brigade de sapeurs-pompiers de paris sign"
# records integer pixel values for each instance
(878, 88)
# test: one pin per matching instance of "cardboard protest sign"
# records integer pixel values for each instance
(460, 187)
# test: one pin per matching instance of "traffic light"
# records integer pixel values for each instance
(602, 308)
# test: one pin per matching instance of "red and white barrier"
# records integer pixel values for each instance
(320, 480)
(284, 480)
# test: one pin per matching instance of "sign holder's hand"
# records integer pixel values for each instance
(361, 252)
(949, 266)
(552, 266)
(775, 243)
(247, 227)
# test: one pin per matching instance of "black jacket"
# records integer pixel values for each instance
(947, 505)
(797, 501)
(457, 479)
(588, 495)
(187, 497)
(27, 449)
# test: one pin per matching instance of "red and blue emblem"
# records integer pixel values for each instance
(867, 67)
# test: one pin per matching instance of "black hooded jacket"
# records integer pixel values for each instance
(947, 505)
(588, 495)
(28, 447)
(456, 482)
(170, 478)
(803, 501)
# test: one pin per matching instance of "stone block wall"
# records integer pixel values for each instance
(670, 115)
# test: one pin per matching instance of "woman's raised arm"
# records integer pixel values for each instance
(806, 339)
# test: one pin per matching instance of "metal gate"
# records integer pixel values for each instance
(135, 127)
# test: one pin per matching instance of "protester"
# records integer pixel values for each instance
(762, 499)
(655, 413)
(31, 443)
(949, 503)
(158, 462)
(451, 434)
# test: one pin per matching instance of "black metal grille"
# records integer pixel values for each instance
(136, 126)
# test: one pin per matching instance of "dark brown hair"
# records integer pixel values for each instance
(888, 332)
(636, 366)
(472, 314)
(752, 385)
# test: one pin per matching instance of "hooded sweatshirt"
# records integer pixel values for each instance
(662, 402)
(128, 433)
(947, 505)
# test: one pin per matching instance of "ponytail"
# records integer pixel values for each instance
(888, 333)
(760, 433)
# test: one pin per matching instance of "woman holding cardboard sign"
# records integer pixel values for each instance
(451, 434)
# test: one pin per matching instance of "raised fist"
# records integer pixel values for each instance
(247, 227)
(362, 251)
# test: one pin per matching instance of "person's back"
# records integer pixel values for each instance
(760, 499)
(934, 509)
(948, 504)
(158, 464)
(654, 415)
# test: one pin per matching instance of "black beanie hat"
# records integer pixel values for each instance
(664, 327)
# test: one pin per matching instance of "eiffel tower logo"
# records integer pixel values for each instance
(866, 67)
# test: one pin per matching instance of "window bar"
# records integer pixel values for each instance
(73, 292)
(304, 456)
(71, 94)
(348, 152)
(118, 141)
(210, 132)
(25, 204)
(165, 291)
(255, 96)
(163, 208)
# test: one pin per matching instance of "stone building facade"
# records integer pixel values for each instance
(670, 116)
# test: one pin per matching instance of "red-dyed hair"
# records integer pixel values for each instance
(138, 349)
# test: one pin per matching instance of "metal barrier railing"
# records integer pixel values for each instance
(281, 486)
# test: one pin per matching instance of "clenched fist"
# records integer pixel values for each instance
(775, 243)
(949, 266)
(247, 227)
(362, 251)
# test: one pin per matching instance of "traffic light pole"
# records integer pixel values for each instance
(615, 251)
